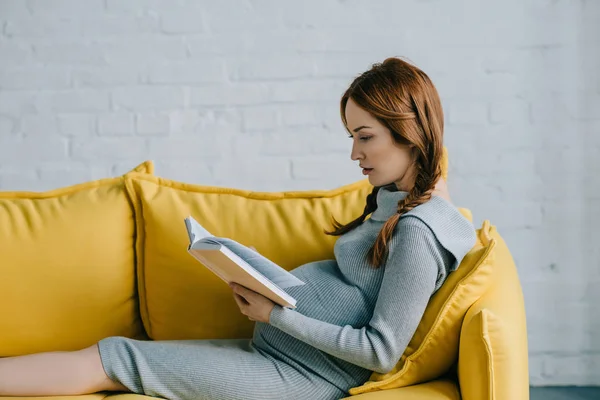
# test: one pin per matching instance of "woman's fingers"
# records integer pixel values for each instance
(241, 290)
(241, 300)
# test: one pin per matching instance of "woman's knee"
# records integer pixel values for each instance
(92, 362)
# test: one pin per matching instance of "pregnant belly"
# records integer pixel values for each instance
(326, 296)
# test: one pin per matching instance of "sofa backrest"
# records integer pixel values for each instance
(67, 275)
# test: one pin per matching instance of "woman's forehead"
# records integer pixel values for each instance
(356, 115)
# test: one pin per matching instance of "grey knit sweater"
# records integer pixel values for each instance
(350, 320)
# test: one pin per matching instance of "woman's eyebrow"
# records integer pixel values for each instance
(360, 127)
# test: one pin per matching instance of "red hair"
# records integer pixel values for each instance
(402, 98)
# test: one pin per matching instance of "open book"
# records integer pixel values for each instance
(234, 262)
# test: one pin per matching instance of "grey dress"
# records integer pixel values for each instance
(350, 320)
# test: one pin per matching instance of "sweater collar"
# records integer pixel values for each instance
(453, 230)
(387, 202)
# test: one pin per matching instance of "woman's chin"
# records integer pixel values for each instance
(374, 181)
(379, 182)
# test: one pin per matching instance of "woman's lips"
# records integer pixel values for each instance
(367, 171)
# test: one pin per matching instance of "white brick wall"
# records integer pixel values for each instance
(245, 94)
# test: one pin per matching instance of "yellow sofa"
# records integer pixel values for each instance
(108, 258)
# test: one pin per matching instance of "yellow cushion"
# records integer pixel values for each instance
(147, 167)
(441, 389)
(476, 347)
(493, 342)
(286, 227)
(67, 270)
(434, 346)
(181, 299)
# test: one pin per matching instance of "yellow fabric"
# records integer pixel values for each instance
(434, 346)
(493, 344)
(476, 347)
(442, 389)
(147, 167)
(67, 270)
(436, 390)
(180, 298)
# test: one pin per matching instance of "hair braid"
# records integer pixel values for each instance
(419, 194)
(370, 206)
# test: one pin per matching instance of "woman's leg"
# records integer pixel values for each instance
(55, 373)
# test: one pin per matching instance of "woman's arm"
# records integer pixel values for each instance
(409, 280)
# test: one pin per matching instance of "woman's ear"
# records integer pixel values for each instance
(414, 153)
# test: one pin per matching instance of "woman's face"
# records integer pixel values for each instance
(381, 157)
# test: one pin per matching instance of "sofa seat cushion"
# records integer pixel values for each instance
(442, 389)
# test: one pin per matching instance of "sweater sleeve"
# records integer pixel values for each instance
(409, 279)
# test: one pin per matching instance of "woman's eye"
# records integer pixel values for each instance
(362, 138)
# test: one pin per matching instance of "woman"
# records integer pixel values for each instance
(355, 315)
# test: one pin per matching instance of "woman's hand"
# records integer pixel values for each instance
(254, 305)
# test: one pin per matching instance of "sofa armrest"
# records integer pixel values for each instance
(442, 389)
(493, 351)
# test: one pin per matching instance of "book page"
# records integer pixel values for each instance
(276, 274)
(195, 231)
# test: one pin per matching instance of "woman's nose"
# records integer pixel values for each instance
(355, 153)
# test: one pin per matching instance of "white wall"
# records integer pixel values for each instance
(245, 94)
